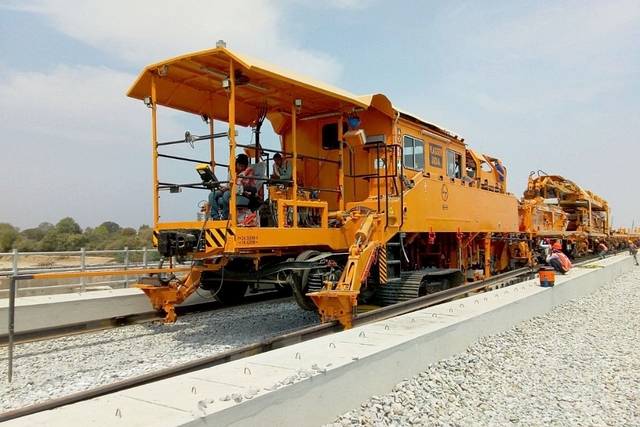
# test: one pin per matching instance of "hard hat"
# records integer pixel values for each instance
(557, 245)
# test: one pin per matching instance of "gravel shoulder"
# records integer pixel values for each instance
(579, 365)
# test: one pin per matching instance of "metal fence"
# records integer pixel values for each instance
(76, 261)
(122, 261)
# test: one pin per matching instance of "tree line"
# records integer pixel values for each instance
(67, 235)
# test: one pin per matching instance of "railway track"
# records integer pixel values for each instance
(116, 322)
(277, 342)
(152, 316)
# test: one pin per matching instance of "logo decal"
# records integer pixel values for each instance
(444, 192)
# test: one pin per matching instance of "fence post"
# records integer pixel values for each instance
(144, 258)
(126, 266)
(15, 262)
(12, 308)
(83, 267)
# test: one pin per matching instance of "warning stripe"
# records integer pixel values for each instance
(215, 238)
(382, 263)
(154, 238)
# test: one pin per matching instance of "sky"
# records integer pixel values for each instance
(543, 85)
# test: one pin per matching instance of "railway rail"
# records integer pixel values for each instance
(116, 322)
(281, 341)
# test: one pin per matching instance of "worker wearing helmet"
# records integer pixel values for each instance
(558, 260)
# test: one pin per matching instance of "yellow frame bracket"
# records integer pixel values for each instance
(336, 305)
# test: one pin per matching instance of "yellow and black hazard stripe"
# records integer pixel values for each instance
(154, 238)
(216, 237)
(382, 264)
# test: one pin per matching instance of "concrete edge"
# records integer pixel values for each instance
(322, 398)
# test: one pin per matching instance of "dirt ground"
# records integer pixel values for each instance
(46, 261)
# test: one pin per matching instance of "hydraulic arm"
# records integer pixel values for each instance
(166, 294)
(339, 301)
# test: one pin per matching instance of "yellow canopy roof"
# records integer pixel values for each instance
(193, 83)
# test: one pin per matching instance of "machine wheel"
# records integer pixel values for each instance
(230, 293)
(301, 283)
(227, 293)
(428, 288)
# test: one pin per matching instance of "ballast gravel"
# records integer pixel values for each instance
(578, 365)
(55, 368)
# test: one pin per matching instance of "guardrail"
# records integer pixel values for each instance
(123, 259)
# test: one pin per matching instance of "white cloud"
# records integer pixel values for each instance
(525, 59)
(89, 143)
(80, 104)
(149, 31)
(74, 145)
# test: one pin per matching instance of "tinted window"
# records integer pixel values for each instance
(413, 153)
(330, 135)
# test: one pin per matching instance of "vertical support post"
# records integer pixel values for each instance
(12, 308)
(145, 263)
(281, 212)
(487, 257)
(154, 142)
(15, 262)
(126, 266)
(212, 144)
(377, 166)
(341, 164)
(83, 267)
(232, 147)
(400, 164)
(325, 218)
(294, 173)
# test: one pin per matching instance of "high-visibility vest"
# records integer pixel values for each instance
(566, 263)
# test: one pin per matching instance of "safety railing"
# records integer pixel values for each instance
(22, 263)
(307, 204)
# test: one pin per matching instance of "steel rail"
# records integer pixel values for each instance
(133, 319)
(79, 328)
(269, 344)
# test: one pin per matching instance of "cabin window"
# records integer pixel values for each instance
(413, 153)
(454, 164)
(330, 135)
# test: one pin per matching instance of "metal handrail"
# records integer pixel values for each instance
(81, 265)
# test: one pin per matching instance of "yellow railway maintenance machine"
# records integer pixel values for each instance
(384, 206)
(583, 217)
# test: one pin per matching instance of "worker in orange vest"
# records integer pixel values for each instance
(558, 260)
